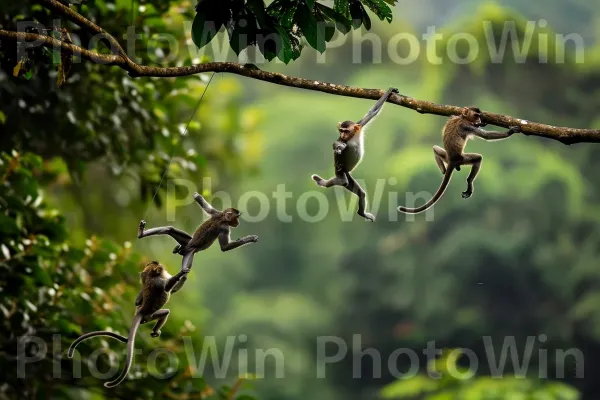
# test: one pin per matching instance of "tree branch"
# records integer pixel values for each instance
(30, 40)
(80, 20)
(564, 135)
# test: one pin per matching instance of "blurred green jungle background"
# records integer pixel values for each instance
(516, 264)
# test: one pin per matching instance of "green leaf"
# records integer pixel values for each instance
(366, 18)
(267, 45)
(205, 26)
(257, 7)
(328, 26)
(310, 4)
(283, 11)
(315, 35)
(243, 34)
(380, 8)
(343, 24)
(359, 15)
(2, 118)
(342, 7)
(356, 14)
(286, 53)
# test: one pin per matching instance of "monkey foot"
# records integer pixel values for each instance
(317, 179)
(155, 334)
(467, 194)
(395, 90)
(141, 228)
(369, 217)
(253, 238)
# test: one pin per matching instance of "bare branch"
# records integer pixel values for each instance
(49, 41)
(82, 21)
(564, 135)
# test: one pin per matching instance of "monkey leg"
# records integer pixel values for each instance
(473, 159)
(339, 179)
(227, 244)
(161, 317)
(179, 284)
(440, 157)
(186, 263)
(180, 236)
(355, 188)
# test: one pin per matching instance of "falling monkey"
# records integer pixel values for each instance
(348, 151)
(218, 226)
(455, 135)
(157, 286)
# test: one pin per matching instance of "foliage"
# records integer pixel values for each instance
(278, 29)
(99, 114)
(49, 287)
(518, 259)
(453, 382)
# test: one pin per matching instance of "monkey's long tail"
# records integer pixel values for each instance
(130, 345)
(91, 335)
(435, 197)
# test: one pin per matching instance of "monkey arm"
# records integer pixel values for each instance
(377, 107)
(492, 135)
(179, 285)
(210, 210)
(339, 146)
(140, 298)
(227, 244)
(176, 282)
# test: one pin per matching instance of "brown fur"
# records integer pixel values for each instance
(347, 130)
(209, 230)
(456, 133)
(157, 285)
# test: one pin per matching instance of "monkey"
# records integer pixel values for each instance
(157, 286)
(348, 151)
(218, 226)
(455, 135)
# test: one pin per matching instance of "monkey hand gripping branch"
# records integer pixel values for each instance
(455, 135)
(157, 286)
(348, 151)
(217, 226)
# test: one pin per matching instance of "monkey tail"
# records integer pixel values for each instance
(137, 320)
(435, 197)
(93, 334)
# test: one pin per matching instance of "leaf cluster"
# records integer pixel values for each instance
(280, 29)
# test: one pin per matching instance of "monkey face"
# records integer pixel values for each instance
(347, 130)
(232, 216)
(346, 135)
(473, 115)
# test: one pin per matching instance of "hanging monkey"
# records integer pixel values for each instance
(455, 135)
(157, 286)
(218, 226)
(348, 151)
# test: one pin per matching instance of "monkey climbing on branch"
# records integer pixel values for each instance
(218, 226)
(157, 286)
(348, 151)
(455, 135)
